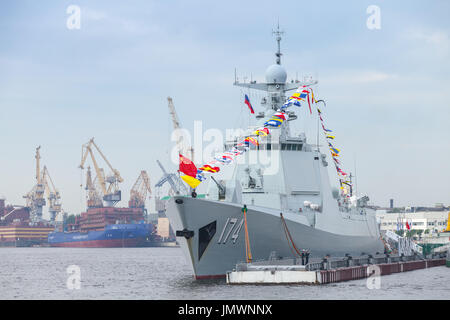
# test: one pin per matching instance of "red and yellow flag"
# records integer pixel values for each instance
(208, 168)
(187, 167)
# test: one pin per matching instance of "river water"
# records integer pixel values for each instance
(163, 273)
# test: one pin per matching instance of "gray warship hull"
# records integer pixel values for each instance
(215, 240)
(284, 183)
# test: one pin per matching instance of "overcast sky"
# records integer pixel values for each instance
(387, 90)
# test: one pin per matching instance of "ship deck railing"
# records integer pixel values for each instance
(315, 264)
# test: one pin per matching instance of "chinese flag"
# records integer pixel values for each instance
(187, 167)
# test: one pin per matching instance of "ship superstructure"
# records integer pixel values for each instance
(277, 201)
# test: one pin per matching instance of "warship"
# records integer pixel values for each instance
(277, 202)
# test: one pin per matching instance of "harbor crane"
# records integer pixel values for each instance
(94, 200)
(35, 198)
(109, 185)
(53, 196)
(176, 184)
(139, 191)
(177, 187)
(181, 145)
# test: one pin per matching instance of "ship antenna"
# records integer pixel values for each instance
(278, 34)
(356, 181)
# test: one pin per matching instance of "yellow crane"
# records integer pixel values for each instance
(94, 200)
(111, 193)
(53, 196)
(139, 191)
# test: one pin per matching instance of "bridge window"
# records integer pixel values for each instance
(291, 147)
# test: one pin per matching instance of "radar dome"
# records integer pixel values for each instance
(276, 74)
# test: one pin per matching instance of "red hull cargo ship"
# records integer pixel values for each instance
(107, 227)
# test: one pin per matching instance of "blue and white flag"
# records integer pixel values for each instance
(291, 102)
(199, 176)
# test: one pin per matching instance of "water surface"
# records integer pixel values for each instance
(162, 273)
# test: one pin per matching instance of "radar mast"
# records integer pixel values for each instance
(278, 33)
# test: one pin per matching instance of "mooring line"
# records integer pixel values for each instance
(289, 237)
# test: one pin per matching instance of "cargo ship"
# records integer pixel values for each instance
(16, 229)
(113, 236)
(103, 225)
(107, 227)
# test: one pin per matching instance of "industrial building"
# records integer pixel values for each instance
(434, 221)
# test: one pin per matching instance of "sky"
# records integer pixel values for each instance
(386, 89)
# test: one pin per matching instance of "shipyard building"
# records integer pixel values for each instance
(433, 220)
